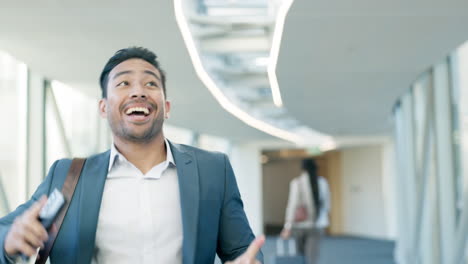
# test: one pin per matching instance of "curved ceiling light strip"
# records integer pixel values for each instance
(274, 52)
(182, 21)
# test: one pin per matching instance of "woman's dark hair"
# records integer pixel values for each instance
(126, 54)
(311, 168)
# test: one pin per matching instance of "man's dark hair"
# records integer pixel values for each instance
(126, 54)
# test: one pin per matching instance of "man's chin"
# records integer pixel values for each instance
(136, 134)
(140, 137)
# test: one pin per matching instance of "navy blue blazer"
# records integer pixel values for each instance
(213, 218)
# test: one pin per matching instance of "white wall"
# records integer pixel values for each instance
(363, 205)
(389, 189)
(276, 178)
(245, 160)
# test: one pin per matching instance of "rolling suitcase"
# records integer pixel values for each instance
(286, 253)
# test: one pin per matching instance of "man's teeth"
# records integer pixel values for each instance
(137, 109)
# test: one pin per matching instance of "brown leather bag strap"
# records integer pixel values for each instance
(67, 190)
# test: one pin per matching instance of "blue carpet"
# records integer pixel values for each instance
(345, 250)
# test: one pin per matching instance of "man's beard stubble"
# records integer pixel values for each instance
(122, 131)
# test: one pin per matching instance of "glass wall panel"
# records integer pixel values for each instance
(459, 63)
(72, 123)
(55, 140)
(420, 89)
(13, 101)
(436, 124)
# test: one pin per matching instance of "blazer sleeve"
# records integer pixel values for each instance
(7, 221)
(235, 234)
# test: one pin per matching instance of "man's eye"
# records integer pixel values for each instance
(124, 83)
(151, 84)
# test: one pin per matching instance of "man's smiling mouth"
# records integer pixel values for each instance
(138, 111)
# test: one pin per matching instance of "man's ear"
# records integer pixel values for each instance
(103, 108)
(167, 109)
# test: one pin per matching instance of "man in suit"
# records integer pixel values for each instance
(146, 200)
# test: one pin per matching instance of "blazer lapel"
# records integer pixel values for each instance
(92, 182)
(187, 172)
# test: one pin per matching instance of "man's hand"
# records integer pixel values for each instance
(285, 233)
(27, 233)
(249, 256)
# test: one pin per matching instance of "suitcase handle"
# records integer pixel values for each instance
(283, 250)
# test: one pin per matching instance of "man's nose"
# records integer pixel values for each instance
(138, 91)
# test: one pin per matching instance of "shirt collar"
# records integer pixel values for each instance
(115, 155)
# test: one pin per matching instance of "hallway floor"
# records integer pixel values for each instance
(345, 250)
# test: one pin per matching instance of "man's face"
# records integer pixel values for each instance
(135, 105)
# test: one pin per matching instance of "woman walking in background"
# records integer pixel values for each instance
(307, 210)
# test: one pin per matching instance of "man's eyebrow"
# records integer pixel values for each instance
(152, 73)
(127, 72)
(121, 73)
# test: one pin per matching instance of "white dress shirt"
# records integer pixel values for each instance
(140, 217)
